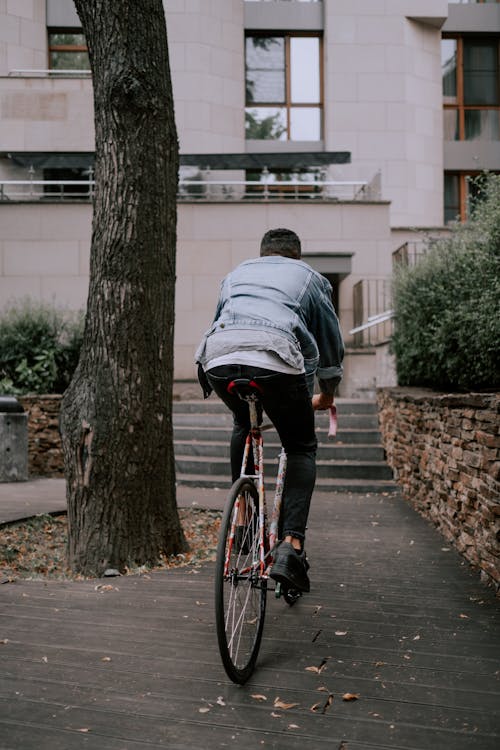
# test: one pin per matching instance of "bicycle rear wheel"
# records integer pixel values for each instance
(240, 592)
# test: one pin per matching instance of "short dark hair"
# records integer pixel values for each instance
(281, 242)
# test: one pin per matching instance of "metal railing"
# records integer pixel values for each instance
(199, 190)
(409, 253)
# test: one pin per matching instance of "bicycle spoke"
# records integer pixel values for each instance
(240, 591)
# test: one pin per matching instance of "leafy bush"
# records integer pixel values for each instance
(447, 332)
(39, 348)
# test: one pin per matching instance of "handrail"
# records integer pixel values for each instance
(373, 320)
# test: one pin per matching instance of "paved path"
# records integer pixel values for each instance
(132, 663)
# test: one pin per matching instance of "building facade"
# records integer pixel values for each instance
(353, 122)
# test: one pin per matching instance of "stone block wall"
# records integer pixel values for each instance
(45, 456)
(444, 450)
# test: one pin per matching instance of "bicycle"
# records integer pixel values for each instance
(244, 552)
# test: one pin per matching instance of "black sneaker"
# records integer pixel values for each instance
(290, 567)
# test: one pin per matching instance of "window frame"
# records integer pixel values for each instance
(287, 104)
(459, 106)
(73, 48)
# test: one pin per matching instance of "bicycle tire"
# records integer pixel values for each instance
(240, 592)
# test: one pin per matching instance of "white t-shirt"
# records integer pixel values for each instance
(257, 358)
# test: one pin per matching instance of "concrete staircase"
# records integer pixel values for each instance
(353, 462)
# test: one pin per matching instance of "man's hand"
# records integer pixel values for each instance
(322, 401)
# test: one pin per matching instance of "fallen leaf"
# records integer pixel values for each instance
(45, 659)
(275, 716)
(84, 729)
(293, 726)
(220, 701)
(4, 642)
(203, 710)
(350, 696)
(417, 638)
(280, 704)
(322, 689)
(341, 632)
(380, 663)
(464, 617)
(259, 697)
(316, 707)
(106, 658)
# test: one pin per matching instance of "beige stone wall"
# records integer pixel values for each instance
(44, 253)
(384, 101)
(445, 453)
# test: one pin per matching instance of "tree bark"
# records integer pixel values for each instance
(116, 419)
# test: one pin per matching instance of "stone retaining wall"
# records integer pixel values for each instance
(444, 450)
(45, 456)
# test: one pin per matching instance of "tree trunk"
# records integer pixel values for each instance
(116, 419)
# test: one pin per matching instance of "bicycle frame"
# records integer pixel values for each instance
(254, 442)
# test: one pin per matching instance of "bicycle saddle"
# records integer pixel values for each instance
(244, 387)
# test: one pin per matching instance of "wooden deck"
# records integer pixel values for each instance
(132, 663)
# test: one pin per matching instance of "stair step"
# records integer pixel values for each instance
(322, 485)
(223, 434)
(215, 406)
(324, 468)
(339, 451)
(224, 419)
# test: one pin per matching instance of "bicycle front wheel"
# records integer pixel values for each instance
(240, 591)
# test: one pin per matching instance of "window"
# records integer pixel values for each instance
(68, 51)
(471, 88)
(65, 175)
(473, 1)
(461, 191)
(283, 87)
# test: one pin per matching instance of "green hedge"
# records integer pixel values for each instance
(447, 307)
(39, 348)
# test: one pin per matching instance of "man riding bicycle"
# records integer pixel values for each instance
(275, 324)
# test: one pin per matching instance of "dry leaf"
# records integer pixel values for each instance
(380, 663)
(106, 658)
(316, 706)
(83, 730)
(45, 659)
(293, 726)
(4, 642)
(259, 697)
(350, 696)
(322, 689)
(220, 701)
(280, 704)
(464, 617)
(203, 710)
(275, 716)
(341, 632)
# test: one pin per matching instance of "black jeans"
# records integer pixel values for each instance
(287, 403)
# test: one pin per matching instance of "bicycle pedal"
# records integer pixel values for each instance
(277, 590)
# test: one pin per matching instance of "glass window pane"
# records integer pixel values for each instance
(265, 86)
(268, 123)
(480, 72)
(77, 40)
(305, 124)
(482, 125)
(449, 70)
(304, 70)
(451, 198)
(450, 125)
(265, 69)
(69, 61)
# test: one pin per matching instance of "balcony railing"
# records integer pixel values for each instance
(409, 254)
(201, 190)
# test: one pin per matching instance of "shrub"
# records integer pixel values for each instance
(39, 348)
(447, 307)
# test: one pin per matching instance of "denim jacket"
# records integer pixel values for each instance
(281, 305)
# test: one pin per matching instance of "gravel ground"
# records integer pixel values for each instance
(36, 548)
